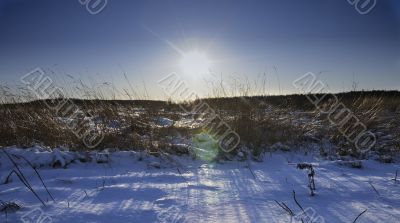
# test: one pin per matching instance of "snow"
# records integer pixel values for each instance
(189, 122)
(164, 122)
(136, 187)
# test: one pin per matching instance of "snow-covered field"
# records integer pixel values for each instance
(132, 187)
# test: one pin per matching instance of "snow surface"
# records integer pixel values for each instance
(135, 187)
(165, 122)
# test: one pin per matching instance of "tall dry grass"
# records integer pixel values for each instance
(261, 120)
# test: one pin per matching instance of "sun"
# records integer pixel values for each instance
(194, 63)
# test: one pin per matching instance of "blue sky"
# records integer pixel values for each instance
(281, 38)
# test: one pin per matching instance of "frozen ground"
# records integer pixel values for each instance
(153, 190)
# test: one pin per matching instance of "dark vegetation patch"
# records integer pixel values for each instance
(260, 121)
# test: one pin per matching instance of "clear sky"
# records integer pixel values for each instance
(148, 39)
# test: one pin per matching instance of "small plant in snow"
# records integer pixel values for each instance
(17, 171)
(311, 174)
(8, 207)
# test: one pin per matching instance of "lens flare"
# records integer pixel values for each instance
(205, 146)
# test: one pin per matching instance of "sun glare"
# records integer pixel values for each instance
(194, 63)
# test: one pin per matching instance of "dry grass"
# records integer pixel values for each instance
(260, 121)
